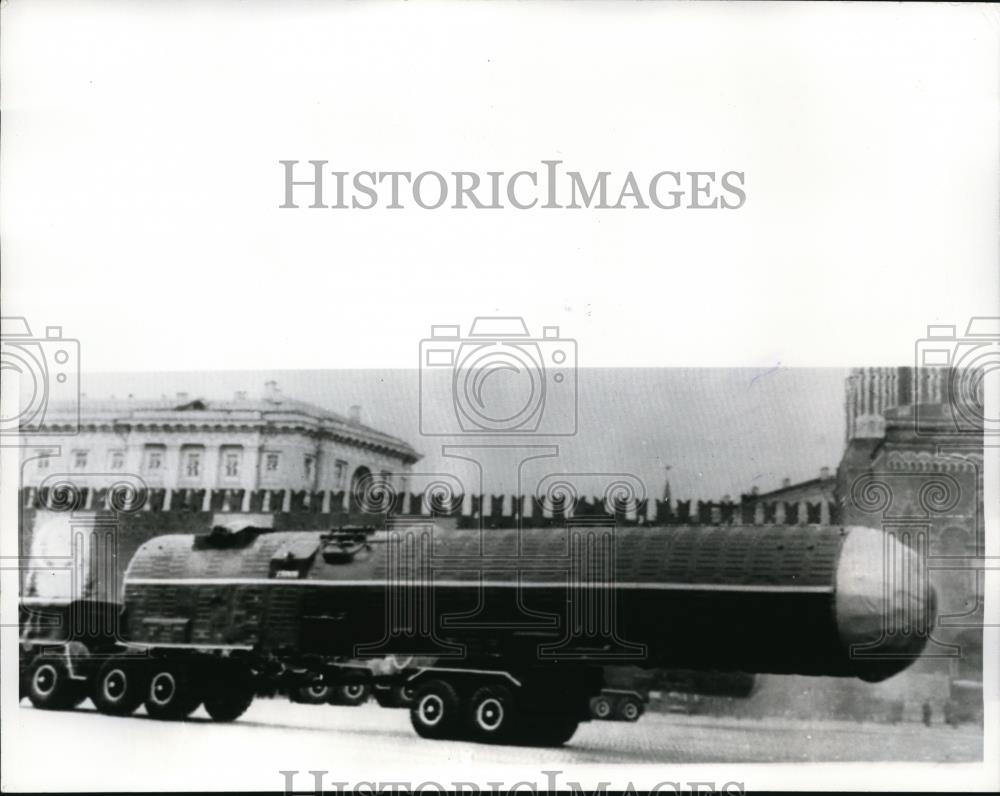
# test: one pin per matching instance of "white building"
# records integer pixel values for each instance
(272, 442)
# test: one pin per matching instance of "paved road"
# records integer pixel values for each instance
(275, 735)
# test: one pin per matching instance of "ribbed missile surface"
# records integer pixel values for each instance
(843, 601)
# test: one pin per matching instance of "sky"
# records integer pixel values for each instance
(721, 430)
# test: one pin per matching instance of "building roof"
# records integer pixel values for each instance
(273, 410)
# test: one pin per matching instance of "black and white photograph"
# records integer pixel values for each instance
(499, 397)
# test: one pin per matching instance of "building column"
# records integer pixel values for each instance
(171, 464)
(211, 478)
(250, 479)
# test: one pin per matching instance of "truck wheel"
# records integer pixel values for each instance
(50, 686)
(403, 695)
(173, 691)
(352, 693)
(399, 696)
(436, 710)
(24, 671)
(549, 731)
(229, 691)
(601, 708)
(491, 715)
(629, 709)
(316, 694)
(229, 702)
(119, 687)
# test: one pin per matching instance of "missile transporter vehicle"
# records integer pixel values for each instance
(496, 635)
(628, 690)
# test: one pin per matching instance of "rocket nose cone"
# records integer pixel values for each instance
(884, 603)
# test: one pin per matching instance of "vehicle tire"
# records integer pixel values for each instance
(51, 688)
(228, 703)
(174, 691)
(119, 687)
(315, 694)
(229, 691)
(351, 693)
(602, 708)
(399, 696)
(548, 731)
(436, 711)
(491, 715)
(629, 709)
(403, 695)
(24, 671)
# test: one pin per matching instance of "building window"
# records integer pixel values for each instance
(192, 458)
(43, 461)
(116, 460)
(155, 455)
(231, 462)
(79, 460)
(271, 462)
(339, 474)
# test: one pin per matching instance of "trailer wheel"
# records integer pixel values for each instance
(491, 714)
(119, 687)
(436, 710)
(399, 696)
(173, 691)
(403, 695)
(229, 703)
(229, 691)
(50, 686)
(352, 693)
(315, 694)
(602, 708)
(548, 731)
(629, 709)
